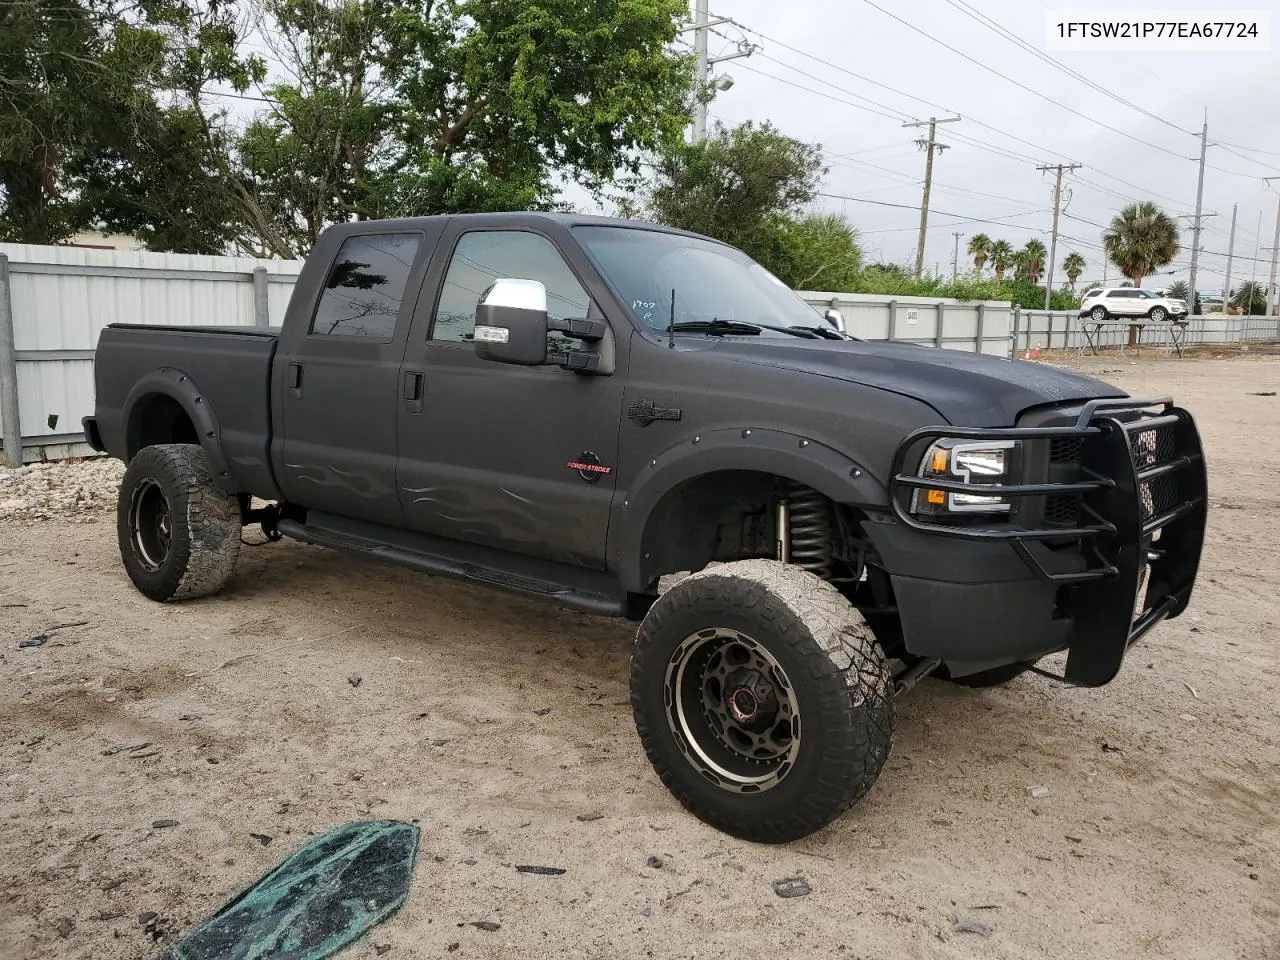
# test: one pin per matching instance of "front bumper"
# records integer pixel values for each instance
(1140, 506)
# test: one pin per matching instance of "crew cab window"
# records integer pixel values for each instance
(485, 255)
(365, 286)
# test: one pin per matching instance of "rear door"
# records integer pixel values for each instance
(340, 373)
(1125, 302)
(514, 457)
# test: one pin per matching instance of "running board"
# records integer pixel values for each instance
(563, 584)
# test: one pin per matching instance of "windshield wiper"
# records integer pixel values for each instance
(826, 333)
(720, 328)
(717, 327)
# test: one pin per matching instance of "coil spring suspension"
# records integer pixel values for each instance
(809, 516)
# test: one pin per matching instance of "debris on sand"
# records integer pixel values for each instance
(791, 887)
(967, 924)
(540, 871)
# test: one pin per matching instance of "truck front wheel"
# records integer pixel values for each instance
(762, 699)
(179, 534)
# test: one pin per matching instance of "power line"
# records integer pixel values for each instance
(965, 218)
(883, 106)
(1023, 86)
(974, 14)
(800, 86)
(964, 138)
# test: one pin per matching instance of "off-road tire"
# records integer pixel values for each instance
(204, 524)
(837, 672)
(1098, 314)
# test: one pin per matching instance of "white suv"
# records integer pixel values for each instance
(1100, 303)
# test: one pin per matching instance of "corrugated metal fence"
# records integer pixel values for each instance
(60, 298)
(1064, 330)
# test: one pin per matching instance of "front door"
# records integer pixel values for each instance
(340, 388)
(514, 457)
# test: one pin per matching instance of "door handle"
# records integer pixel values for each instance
(411, 391)
(293, 379)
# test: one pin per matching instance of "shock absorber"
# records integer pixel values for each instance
(806, 517)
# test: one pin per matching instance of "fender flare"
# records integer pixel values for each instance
(811, 462)
(177, 385)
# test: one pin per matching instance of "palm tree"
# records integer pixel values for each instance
(1178, 290)
(980, 250)
(1250, 299)
(1074, 265)
(1141, 238)
(1001, 255)
(1033, 255)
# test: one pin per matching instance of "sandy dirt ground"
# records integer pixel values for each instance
(501, 727)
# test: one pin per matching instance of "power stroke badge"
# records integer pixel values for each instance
(589, 467)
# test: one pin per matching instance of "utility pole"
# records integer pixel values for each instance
(701, 74)
(955, 257)
(700, 11)
(1231, 249)
(1272, 293)
(1253, 274)
(929, 146)
(1053, 241)
(1195, 232)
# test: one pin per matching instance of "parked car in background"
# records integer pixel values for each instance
(1103, 303)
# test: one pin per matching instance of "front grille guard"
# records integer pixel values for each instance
(1120, 541)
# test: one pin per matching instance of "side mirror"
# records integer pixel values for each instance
(835, 318)
(511, 323)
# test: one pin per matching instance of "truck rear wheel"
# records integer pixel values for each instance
(179, 534)
(762, 699)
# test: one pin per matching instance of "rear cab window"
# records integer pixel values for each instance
(365, 286)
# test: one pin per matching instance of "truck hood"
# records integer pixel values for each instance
(968, 389)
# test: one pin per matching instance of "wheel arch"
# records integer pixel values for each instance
(166, 406)
(668, 512)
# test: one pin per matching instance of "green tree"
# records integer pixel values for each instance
(1074, 265)
(1140, 239)
(1250, 299)
(1001, 257)
(80, 116)
(815, 252)
(736, 186)
(980, 250)
(405, 108)
(1031, 260)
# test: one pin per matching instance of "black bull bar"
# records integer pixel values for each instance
(1142, 493)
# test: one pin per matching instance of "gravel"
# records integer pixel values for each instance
(76, 490)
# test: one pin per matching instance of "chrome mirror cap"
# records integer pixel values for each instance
(518, 294)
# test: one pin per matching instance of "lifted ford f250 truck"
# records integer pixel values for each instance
(573, 407)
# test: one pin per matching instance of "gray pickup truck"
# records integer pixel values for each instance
(573, 408)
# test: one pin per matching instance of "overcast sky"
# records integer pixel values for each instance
(872, 157)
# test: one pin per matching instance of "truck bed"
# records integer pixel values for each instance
(227, 370)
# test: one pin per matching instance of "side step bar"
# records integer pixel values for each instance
(563, 584)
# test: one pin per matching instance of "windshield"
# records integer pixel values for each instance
(1148, 295)
(711, 281)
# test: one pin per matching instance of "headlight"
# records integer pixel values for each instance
(983, 463)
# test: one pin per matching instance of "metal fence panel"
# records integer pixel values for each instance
(62, 297)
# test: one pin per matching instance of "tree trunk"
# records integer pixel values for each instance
(1133, 330)
(27, 198)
